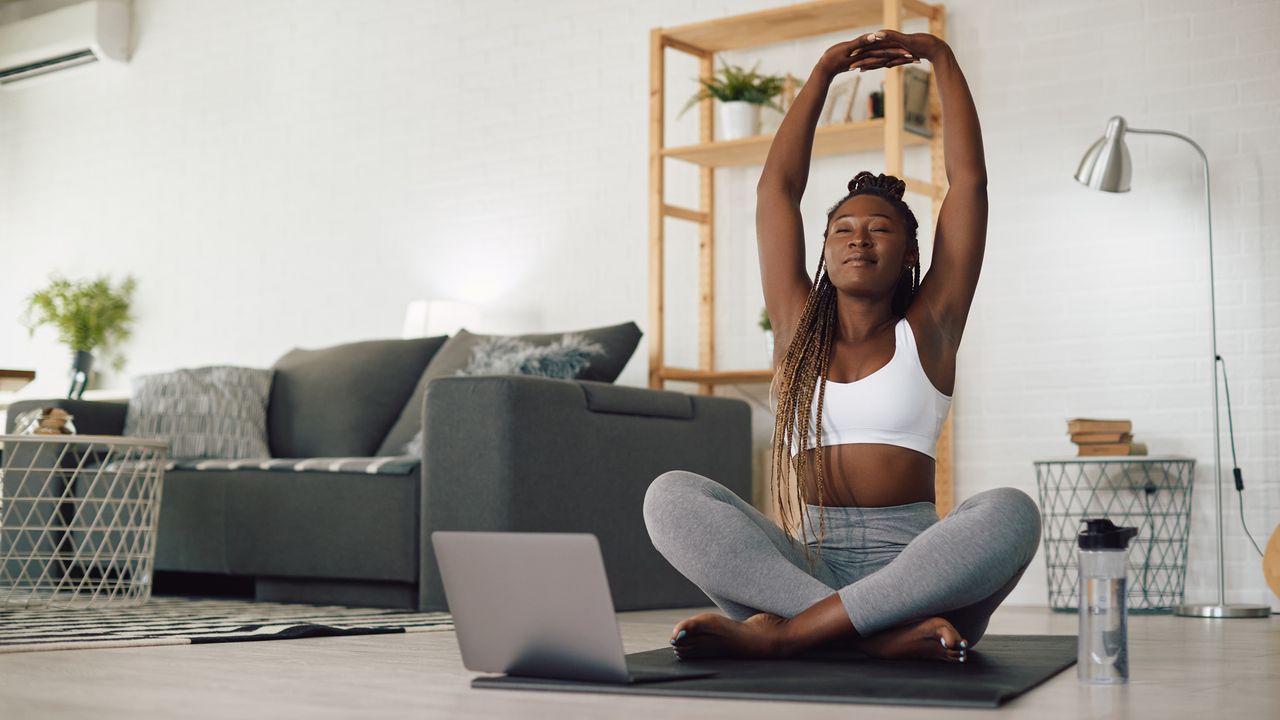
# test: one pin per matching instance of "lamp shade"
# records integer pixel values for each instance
(428, 318)
(1106, 165)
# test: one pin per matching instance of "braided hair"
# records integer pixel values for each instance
(808, 356)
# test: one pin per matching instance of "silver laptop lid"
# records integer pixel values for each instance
(534, 604)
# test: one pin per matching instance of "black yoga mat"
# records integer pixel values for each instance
(998, 669)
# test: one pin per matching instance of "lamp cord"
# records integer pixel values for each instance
(1151, 539)
(1235, 466)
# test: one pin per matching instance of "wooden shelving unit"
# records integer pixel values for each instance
(703, 40)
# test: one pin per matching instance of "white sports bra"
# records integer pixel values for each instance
(895, 405)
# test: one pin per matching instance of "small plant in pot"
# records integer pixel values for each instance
(741, 93)
(88, 315)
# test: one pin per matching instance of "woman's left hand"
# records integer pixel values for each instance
(894, 48)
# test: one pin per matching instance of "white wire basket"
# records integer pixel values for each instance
(78, 517)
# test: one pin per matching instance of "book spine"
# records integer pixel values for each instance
(1103, 449)
(1099, 426)
(1110, 437)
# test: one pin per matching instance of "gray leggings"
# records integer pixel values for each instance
(890, 565)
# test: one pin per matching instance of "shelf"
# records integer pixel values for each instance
(716, 377)
(827, 140)
(789, 23)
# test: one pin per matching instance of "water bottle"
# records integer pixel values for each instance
(1103, 650)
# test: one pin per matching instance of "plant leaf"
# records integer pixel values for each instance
(88, 315)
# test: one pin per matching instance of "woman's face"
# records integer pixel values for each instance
(866, 247)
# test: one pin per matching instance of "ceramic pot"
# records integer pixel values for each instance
(81, 366)
(739, 119)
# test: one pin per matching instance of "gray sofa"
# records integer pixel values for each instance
(503, 452)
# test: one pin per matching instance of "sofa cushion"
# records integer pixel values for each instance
(207, 412)
(341, 400)
(619, 343)
(246, 522)
(323, 525)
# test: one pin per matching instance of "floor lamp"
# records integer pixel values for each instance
(1106, 167)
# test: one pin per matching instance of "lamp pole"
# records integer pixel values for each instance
(1209, 610)
(1105, 167)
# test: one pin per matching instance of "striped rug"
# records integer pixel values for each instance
(191, 621)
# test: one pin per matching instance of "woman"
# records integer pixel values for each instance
(877, 570)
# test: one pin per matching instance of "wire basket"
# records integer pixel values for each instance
(1151, 493)
(78, 517)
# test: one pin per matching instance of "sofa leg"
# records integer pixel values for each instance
(335, 592)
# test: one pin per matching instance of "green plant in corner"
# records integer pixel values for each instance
(764, 320)
(87, 314)
(734, 83)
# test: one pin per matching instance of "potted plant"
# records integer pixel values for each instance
(741, 93)
(767, 327)
(88, 315)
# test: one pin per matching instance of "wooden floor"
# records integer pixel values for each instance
(1180, 668)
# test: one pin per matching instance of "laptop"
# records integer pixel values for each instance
(537, 605)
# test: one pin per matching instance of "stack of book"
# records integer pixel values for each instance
(1095, 437)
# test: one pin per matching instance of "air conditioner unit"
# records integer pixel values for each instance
(74, 35)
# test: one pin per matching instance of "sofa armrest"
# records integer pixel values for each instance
(533, 454)
(90, 417)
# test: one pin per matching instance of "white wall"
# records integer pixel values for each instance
(283, 174)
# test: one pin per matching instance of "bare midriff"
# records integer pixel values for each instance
(870, 475)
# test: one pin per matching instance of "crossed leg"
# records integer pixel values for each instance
(741, 559)
(958, 570)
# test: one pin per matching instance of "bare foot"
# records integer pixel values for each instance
(922, 640)
(759, 636)
(713, 635)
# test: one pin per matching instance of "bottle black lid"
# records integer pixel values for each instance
(1103, 535)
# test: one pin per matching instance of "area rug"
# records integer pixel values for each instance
(193, 621)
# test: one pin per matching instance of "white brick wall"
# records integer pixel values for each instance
(293, 173)
(1104, 307)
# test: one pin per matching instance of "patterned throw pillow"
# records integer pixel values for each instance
(208, 412)
(501, 355)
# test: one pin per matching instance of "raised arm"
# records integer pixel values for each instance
(779, 230)
(959, 241)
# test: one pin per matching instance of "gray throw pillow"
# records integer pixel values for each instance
(618, 341)
(208, 412)
(340, 401)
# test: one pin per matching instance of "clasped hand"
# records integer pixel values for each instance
(882, 48)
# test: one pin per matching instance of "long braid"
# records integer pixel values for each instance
(806, 365)
(806, 360)
(827, 330)
(796, 382)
